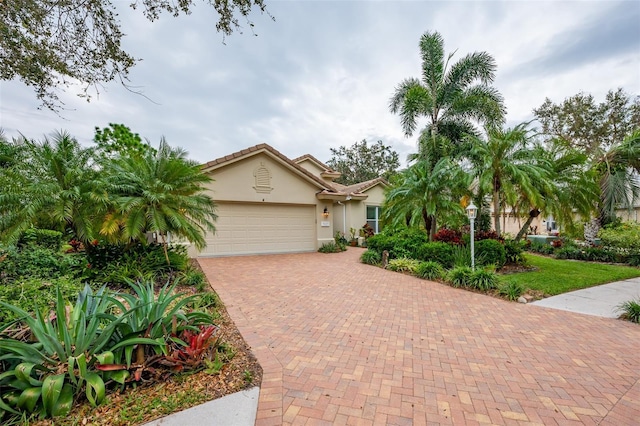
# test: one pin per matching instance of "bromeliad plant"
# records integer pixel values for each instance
(88, 346)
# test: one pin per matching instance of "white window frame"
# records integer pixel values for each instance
(376, 220)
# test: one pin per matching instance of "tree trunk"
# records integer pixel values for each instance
(427, 223)
(532, 215)
(166, 253)
(496, 211)
(432, 233)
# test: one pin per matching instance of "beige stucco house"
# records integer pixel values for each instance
(268, 203)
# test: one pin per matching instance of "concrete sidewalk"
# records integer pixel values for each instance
(238, 409)
(600, 301)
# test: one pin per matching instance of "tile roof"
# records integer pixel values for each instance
(328, 187)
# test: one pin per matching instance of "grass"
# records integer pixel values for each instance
(554, 276)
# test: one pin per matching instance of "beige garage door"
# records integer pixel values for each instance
(261, 229)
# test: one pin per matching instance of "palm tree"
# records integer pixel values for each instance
(618, 171)
(423, 192)
(450, 97)
(507, 168)
(159, 191)
(50, 185)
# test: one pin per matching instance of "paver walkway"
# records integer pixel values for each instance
(345, 343)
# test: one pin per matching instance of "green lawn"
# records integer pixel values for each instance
(555, 276)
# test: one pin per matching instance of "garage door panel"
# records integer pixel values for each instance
(262, 228)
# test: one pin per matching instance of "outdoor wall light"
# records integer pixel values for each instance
(325, 213)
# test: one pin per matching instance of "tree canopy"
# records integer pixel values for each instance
(590, 127)
(452, 97)
(361, 162)
(50, 44)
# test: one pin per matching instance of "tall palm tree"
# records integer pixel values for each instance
(508, 168)
(160, 191)
(423, 192)
(619, 176)
(49, 185)
(451, 97)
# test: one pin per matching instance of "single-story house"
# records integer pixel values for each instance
(268, 203)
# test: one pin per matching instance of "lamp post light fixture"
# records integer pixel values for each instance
(472, 212)
(325, 213)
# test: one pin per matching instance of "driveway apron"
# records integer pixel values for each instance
(341, 342)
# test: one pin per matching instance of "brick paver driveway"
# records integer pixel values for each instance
(346, 343)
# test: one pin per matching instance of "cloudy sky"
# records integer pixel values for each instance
(322, 73)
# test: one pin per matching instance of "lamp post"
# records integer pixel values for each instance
(472, 211)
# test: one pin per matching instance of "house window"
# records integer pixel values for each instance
(373, 218)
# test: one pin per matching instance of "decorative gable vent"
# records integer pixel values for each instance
(263, 179)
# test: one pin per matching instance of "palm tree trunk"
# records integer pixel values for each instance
(496, 211)
(532, 215)
(166, 252)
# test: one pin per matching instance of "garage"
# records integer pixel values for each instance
(252, 228)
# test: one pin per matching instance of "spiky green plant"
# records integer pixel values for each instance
(430, 270)
(459, 276)
(483, 279)
(630, 310)
(512, 290)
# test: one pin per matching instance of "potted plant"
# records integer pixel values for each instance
(353, 241)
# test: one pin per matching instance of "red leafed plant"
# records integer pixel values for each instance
(198, 345)
(450, 236)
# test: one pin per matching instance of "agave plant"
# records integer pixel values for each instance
(44, 375)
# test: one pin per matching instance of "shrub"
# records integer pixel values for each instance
(630, 310)
(430, 270)
(537, 247)
(483, 279)
(195, 278)
(448, 236)
(32, 292)
(340, 239)
(511, 290)
(371, 257)
(403, 243)
(330, 247)
(634, 259)
(459, 276)
(490, 252)
(625, 235)
(403, 265)
(437, 252)
(591, 254)
(45, 238)
(462, 256)
(36, 261)
(513, 251)
(556, 243)
(486, 235)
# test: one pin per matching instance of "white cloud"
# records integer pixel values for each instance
(321, 75)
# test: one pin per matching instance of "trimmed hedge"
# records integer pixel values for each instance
(436, 252)
(490, 252)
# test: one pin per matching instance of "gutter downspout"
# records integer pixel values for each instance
(344, 218)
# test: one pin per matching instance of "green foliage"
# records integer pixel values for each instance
(50, 188)
(625, 236)
(437, 252)
(630, 310)
(195, 278)
(41, 41)
(119, 140)
(461, 255)
(81, 349)
(514, 252)
(490, 252)
(361, 162)
(592, 254)
(331, 247)
(537, 247)
(31, 293)
(159, 191)
(340, 239)
(483, 279)
(430, 270)
(118, 264)
(371, 257)
(460, 276)
(403, 265)
(404, 242)
(45, 238)
(511, 290)
(590, 127)
(34, 261)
